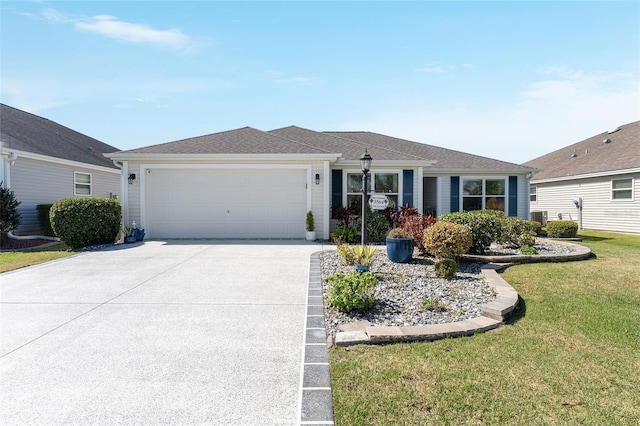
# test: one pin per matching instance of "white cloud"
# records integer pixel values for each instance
(547, 115)
(112, 27)
(432, 68)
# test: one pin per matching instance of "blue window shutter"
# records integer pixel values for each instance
(455, 194)
(513, 196)
(336, 188)
(407, 188)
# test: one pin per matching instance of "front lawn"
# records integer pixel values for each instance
(570, 355)
(11, 260)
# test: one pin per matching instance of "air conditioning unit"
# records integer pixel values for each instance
(539, 217)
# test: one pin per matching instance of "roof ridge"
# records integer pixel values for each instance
(295, 141)
(378, 146)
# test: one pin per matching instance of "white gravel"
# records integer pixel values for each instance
(403, 287)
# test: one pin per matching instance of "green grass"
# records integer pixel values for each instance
(11, 260)
(569, 355)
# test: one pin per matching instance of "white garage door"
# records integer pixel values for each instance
(226, 203)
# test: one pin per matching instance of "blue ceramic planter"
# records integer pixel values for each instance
(400, 250)
(362, 268)
(139, 234)
(129, 240)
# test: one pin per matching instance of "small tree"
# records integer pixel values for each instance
(9, 214)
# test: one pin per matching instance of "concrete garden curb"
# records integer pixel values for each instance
(493, 314)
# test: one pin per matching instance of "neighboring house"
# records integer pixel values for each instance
(247, 183)
(595, 182)
(43, 161)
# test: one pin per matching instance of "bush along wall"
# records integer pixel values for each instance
(485, 227)
(562, 229)
(44, 220)
(82, 222)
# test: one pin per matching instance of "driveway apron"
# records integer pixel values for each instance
(165, 332)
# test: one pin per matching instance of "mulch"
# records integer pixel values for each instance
(11, 244)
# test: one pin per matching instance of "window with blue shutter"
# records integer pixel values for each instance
(336, 189)
(407, 188)
(455, 194)
(513, 195)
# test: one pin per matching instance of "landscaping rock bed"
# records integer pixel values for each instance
(404, 286)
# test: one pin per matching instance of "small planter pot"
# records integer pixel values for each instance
(311, 235)
(362, 268)
(139, 234)
(129, 240)
(400, 250)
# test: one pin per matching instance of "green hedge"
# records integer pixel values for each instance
(446, 240)
(562, 229)
(44, 220)
(81, 222)
(485, 227)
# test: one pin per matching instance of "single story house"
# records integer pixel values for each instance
(248, 183)
(42, 161)
(595, 182)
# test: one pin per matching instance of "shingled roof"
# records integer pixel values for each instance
(350, 146)
(23, 131)
(606, 152)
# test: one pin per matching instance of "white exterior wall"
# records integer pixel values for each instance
(316, 196)
(42, 182)
(599, 211)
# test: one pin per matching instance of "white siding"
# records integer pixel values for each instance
(599, 211)
(41, 182)
(317, 199)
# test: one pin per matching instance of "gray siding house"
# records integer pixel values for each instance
(595, 182)
(248, 183)
(43, 161)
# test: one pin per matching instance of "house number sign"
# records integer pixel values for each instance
(378, 202)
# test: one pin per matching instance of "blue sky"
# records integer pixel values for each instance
(508, 80)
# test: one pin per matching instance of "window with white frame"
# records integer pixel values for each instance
(483, 194)
(533, 194)
(622, 189)
(82, 183)
(386, 183)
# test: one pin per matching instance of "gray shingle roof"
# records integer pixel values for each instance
(23, 131)
(245, 140)
(297, 140)
(446, 158)
(592, 155)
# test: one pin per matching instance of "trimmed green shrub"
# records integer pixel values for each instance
(529, 250)
(397, 233)
(81, 222)
(517, 232)
(344, 235)
(485, 227)
(9, 214)
(44, 220)
(310, 222)
(562, 229)
(537, 227)
(446, 240)
(446, 268)
(352, 292)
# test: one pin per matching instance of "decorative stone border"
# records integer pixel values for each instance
(493, 314)
(579, 253)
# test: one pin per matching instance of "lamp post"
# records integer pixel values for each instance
(365, 165)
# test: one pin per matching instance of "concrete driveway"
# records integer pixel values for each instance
(178, 332)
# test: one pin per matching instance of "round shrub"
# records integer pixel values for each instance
(528, 250)
(562, 229)
(485, 227)
(81, 222)
(446, 240)
(352, 292)
(446, 268)
(518, 232)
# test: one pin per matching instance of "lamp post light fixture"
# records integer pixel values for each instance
(365, 165)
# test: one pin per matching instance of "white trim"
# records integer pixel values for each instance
(587, 176)
(484, 188)
(146, 168)
(124, 191)
(439, 196)
(75, 184)
(420, 195)
(622, 200)
(62, 161)
(222, 157)
(326, 226)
